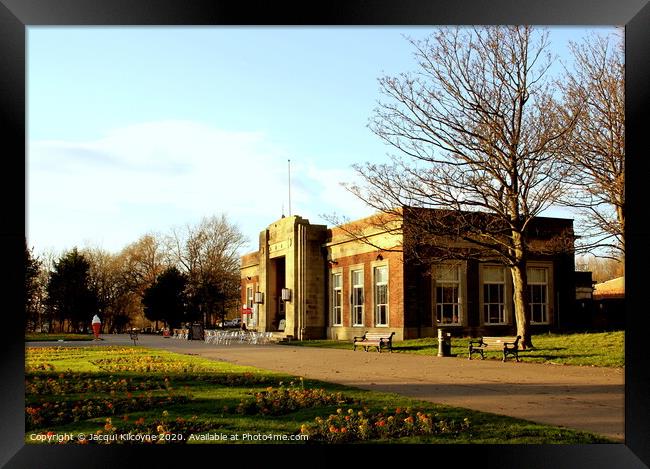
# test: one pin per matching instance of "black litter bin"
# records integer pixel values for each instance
(444, 343)
(196, 331)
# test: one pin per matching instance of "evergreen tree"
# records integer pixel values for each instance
(70, 295)
(166, 300)
(32, 270)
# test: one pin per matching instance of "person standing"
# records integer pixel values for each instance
(97, 325)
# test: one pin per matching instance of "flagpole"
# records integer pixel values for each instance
(289, 164)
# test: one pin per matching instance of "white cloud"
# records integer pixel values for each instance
(152, 176)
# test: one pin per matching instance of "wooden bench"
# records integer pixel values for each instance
(375, 339)
(507, 345)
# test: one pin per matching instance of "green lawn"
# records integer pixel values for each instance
(586, 349)
(109, 394)
(43, 337)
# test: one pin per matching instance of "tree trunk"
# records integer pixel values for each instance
(520, 300)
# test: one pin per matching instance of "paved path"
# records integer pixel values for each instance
(584, 398)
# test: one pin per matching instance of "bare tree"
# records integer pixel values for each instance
(110, 277)
(145, 259)
(478, 134)
(209, 254)
(140, 264)
(602, 269)
(596, 149)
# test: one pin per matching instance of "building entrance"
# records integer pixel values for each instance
(277, 312)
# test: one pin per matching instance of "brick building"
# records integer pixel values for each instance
(313, 282)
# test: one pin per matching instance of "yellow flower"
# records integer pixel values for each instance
(160, 429)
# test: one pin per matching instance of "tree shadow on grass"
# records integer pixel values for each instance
(549, 357)
(411, 348)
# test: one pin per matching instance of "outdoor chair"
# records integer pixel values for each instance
(253, 337)
(210, 336)
(221, 337)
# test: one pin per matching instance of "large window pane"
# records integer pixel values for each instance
(446, 273)
(537, 275)
(381, 296)
(357, 297)
(493, 274)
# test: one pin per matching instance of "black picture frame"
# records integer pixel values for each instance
(16, 15)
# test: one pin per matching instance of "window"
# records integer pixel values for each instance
(381, 296)
(357, 297)
(493, 295)
(248, 318)
(447, 289)
(538, 294)
(337, 300)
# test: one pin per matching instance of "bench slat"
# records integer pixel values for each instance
(498, 342)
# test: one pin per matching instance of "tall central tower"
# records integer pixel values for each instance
(291, 274)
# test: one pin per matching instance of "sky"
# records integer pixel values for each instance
(139, 130)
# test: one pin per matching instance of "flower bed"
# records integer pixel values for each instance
(146, 364)
(75, 383)
(352, 425)
(58, 353)
(282, 400)
(39, 367)
(156, 431)
(50, 414)
(234, 379)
